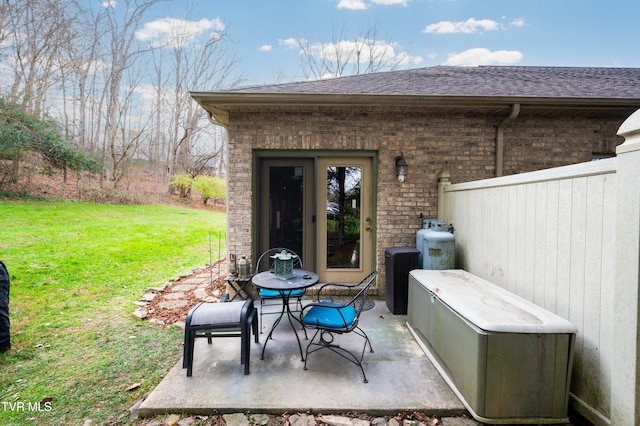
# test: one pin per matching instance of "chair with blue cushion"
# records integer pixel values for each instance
(265, 263)
(328, 318)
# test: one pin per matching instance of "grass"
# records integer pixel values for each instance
(75, 270)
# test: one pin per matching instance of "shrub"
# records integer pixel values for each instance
(182, 182)
(25, 137)
(210, 187)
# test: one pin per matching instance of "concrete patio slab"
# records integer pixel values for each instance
(400, 375)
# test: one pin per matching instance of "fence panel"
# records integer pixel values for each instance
(548, 237)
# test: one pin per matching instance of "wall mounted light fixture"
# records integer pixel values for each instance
(401, 168)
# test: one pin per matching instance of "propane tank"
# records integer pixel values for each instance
(439, 247)
(422, 232)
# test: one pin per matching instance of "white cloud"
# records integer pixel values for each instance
(391, 2)
(469, 26)
(344, 51)
(291, 43)
(517, 23)
(482, 56)
(352, 4)
(265, 48)
(172, 32)
(108, 4)
(405, 59)
(361, 5)
(378, 51)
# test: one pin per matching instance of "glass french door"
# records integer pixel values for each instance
(286, 207)
(322, 209)
(345, 219)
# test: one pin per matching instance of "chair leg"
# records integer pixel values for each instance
(261, 309)
(244, 356)
(326, 342)
(185, 356)
(245, 350)
(185, 349)
(192, 339)
(254, 325)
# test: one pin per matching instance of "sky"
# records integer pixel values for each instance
(416, 33)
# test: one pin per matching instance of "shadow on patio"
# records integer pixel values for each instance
(400, 376)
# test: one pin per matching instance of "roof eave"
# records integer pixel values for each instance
(218, 104)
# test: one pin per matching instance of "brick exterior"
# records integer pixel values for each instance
(463, 143)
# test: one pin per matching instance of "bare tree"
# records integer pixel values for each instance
(90, 66)
(83, 59)
(118, 138)
(359, 54)
(192, 59)
(155, 151)
(37, 30)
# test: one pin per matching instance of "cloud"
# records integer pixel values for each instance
(391, 2)
(108, 4)
(469, 26)
(265, 48)
(482, 56)
(379, 51)
(403, 58)
(172, 32)
(517, 23)
(291, 43)
(352, 4)
(361, 5)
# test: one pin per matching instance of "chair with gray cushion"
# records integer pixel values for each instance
(225, 319)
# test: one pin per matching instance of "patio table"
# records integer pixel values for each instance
(301, 279)
(239, 286)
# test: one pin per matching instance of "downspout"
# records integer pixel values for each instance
(215, 121)
(515, 111)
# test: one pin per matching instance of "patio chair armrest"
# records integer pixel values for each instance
(340, 285)
(322, 303)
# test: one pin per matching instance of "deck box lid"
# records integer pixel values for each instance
(489, 306)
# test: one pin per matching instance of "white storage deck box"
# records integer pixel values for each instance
(507, 359)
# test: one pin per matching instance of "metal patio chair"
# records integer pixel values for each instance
(265, 263)
(328, 318)
(224, 319)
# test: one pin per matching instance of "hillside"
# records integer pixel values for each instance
(141, 187)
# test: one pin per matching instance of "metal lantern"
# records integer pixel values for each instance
(283, 264)
(244, 267)
(402, 168)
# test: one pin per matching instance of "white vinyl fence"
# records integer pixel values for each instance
(567, 239)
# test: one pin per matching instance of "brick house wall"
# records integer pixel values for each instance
(463, 143)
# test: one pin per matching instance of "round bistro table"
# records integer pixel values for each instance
(301, 279)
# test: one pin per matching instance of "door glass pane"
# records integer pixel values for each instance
(343, 217)
(286, 207)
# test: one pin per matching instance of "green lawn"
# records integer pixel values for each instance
(76, 269)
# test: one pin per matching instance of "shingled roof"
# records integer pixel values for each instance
(477, 81)
(439, 86)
